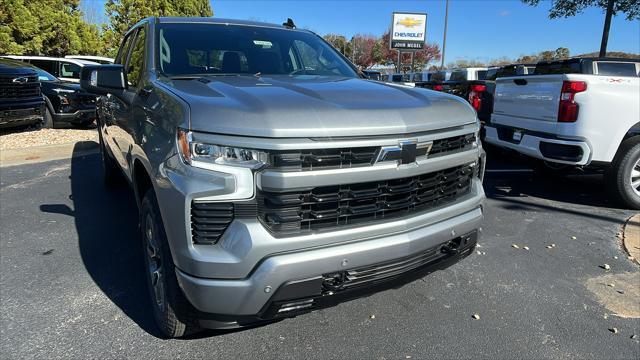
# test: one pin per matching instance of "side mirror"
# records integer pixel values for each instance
(103, 79)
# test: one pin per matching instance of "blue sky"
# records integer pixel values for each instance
(478, 29)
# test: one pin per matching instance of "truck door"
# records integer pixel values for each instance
(114, 109)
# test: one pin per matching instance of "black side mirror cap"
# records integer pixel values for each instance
(103, 79)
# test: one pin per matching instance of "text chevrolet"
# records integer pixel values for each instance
(271, 179)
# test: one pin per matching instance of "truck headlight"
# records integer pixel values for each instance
(193, 152)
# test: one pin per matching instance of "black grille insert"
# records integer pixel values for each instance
(340, 205)
(209, 221)
(17, 90)
(319, 159)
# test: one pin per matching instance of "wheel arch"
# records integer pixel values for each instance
(141, 179)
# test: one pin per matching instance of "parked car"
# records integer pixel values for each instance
(372, 74)
(21, 101)
(64, 69)
(271, 180)
(97, 59)
(575, 113)
(66, 102)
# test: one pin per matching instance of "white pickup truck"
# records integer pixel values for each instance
(579, 112)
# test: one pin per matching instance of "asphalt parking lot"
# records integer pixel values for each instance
(71, 281)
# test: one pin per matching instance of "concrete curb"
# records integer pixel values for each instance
(631, 237)
(38, 154)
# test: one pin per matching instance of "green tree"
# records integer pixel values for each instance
(123, 14)
(561, 53)
(340, 43)
(45, 27)
(567, 8)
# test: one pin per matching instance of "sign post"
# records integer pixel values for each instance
(408, 34)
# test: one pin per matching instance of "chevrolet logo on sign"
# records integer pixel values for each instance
(409, 22)
(404, 153)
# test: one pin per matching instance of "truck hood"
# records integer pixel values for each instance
(315, 106)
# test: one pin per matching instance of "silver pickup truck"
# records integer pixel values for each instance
(271, 179)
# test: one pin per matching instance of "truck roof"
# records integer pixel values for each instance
(212, 20)
(582, 59)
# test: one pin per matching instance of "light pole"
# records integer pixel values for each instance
(444, 40)
(605, 31)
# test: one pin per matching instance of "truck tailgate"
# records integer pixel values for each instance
(529, 97)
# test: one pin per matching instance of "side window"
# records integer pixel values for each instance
(121, 58)
(46, 65)
(136, 59)
(616, 69)
(69, 70)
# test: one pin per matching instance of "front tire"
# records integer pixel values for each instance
(623, 177)
(173, 313)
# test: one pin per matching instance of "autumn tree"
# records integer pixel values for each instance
(123, 14)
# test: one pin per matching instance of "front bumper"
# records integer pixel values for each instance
(78, 116)
(24, 114)
(255, 295)
(540, 146)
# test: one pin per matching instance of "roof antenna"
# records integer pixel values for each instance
(289, 24)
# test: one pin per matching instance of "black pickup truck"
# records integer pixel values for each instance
(476, 85)
(21, 101)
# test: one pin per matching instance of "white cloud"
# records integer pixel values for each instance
(504, 13)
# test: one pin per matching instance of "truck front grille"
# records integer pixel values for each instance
(209, 221)
(343, 205)
(321, 159)
(13, 90)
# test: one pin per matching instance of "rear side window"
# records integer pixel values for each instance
(396, 78)
(616, 68)
(417, 77)
(46, 65)
(558, 67)
(438, 76)
(507, 71)
(491, 74)
(458, 76)
(482, 74)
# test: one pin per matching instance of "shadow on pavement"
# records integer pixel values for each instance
(106, 221)
(510, 180)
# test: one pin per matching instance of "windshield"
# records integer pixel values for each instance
(215, 49)
(44, 76)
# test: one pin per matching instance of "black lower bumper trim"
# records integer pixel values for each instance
(306, 295)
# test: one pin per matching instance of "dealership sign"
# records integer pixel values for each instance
(408, 31)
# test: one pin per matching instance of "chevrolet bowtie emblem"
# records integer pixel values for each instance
(20, 80)
(409, 22)
(404, 153)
